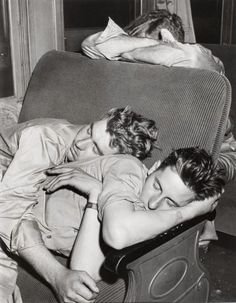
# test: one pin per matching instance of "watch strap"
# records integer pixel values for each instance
(92, 205)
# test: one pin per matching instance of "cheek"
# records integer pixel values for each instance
(164, 205)
(107, 149)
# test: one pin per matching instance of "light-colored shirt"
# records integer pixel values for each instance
(165, 53)
(27, 150)
(59, 215)
(90, 47)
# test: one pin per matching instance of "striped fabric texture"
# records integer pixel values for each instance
(190, 106)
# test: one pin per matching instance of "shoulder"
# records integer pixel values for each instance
(121, 158)
(45, 128)
(122, 164)
(42, 123)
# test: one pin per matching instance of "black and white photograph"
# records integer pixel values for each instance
(117, 151)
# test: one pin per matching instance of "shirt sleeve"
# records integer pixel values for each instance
(26, 235)
(39, 149)
(89, 45)
(122, 183)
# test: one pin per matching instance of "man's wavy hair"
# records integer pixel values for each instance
(197, 170)
(131, 133)
(150, 25)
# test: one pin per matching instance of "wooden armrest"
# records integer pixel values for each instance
(117, 260)
(166, 268)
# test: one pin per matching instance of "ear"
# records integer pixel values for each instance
(154, 167)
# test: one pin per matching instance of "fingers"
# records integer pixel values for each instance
(77, 298)
(77, 287)
(83, 294)
(57, 182)
(85, 288)
(59, 170)
(64, 168)
(87, 280)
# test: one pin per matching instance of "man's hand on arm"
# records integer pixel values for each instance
(69, 285)
(86, 254)
(201, 207)
(71, 175)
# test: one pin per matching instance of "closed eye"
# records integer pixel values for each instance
(157, 185)
(172, 203)
(89, 130)
(97, 150)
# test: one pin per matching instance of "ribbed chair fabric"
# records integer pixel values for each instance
(190, 106)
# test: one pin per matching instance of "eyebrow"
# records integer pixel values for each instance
(159, 184)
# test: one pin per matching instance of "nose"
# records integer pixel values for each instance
(84, 143)
(154, 202)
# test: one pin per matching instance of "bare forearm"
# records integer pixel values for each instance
(87, 254)
(69, 285)
(34, 251)
(136, 226)
(43, 262)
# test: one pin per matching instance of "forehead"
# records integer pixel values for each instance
(100, 126)
(172, 186)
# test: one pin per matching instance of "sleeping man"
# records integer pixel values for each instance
(124, 200)
(28, 149)
(156, 38)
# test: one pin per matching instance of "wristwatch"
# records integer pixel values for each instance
(92, 205)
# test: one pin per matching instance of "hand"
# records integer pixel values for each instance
(202, 207)
(75, 286)
(228, 147)
(166, 36)
(75, 178)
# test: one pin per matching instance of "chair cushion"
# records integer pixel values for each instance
(190, 106)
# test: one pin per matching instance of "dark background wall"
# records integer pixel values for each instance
(207, 20)
(94, 13)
